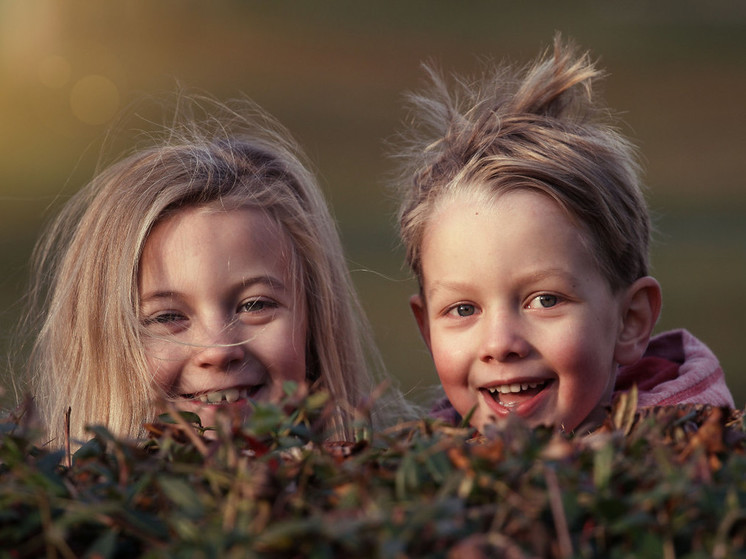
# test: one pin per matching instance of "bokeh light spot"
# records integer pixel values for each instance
(94, 99)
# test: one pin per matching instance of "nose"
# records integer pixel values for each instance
(222, 351)
(503, 338)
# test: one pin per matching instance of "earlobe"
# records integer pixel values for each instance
(419, 310)
(641, 308)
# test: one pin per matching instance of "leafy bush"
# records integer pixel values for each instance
(667, 482)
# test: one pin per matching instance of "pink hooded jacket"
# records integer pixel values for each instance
(676, 368)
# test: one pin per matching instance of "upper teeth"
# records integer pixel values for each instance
(514, 387)
(229, 395)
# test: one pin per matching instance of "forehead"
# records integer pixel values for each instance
(482, 194)
(200, 237)
(516, 229)
(213, 222)
(482, 209)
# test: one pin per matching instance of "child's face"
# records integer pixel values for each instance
(516, 314)
(219, 304)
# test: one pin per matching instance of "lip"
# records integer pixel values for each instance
(237, 410)
(523, 409)
(237, 395)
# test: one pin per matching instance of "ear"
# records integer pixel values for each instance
(641, 306)
(419, 310)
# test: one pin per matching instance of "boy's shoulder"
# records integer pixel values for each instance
(443, 410)
(677, 368)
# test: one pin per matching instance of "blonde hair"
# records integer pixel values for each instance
(88, 354)
(537, 128)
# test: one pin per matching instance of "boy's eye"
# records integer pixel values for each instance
(543, 301)
(464, 309)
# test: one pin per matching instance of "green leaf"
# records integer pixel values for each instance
(182, 494)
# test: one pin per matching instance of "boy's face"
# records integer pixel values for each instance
(219, 308)
(516, 313)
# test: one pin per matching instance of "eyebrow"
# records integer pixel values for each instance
(531, 277)
(269, 281)
(550, 272)
(441, 285)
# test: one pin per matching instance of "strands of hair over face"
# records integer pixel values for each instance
(540, 127)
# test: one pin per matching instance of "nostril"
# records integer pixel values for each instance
(507, 350)
(220, 356)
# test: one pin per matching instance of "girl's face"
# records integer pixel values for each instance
(516, 314)
(223, 321)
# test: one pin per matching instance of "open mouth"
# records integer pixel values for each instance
(223, 397)
(516, 393)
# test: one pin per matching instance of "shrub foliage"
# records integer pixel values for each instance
(665, 482)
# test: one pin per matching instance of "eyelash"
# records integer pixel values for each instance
(163, 318)
(454, 310)
(250, 306)
(556, 298)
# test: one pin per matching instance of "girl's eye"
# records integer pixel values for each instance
(167, 322)
(464, 309)
(164, 318)
(257, 305)
(543, 301)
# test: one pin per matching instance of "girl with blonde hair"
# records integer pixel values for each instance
(204, 270)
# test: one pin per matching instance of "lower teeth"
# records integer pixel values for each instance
(226, 396)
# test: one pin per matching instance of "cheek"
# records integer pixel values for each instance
(294, 368)
(453, 372)
(288, 351)
(451, 366)
(447, 369)
(574, 357)
(585, 368)
(166, 360)
(587, 347)
(163, 368)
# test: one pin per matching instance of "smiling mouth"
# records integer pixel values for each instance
(513, 394)
(227, 396)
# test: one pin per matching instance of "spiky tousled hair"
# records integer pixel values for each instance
(537, 128)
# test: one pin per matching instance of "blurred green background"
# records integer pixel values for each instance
(334, 72)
